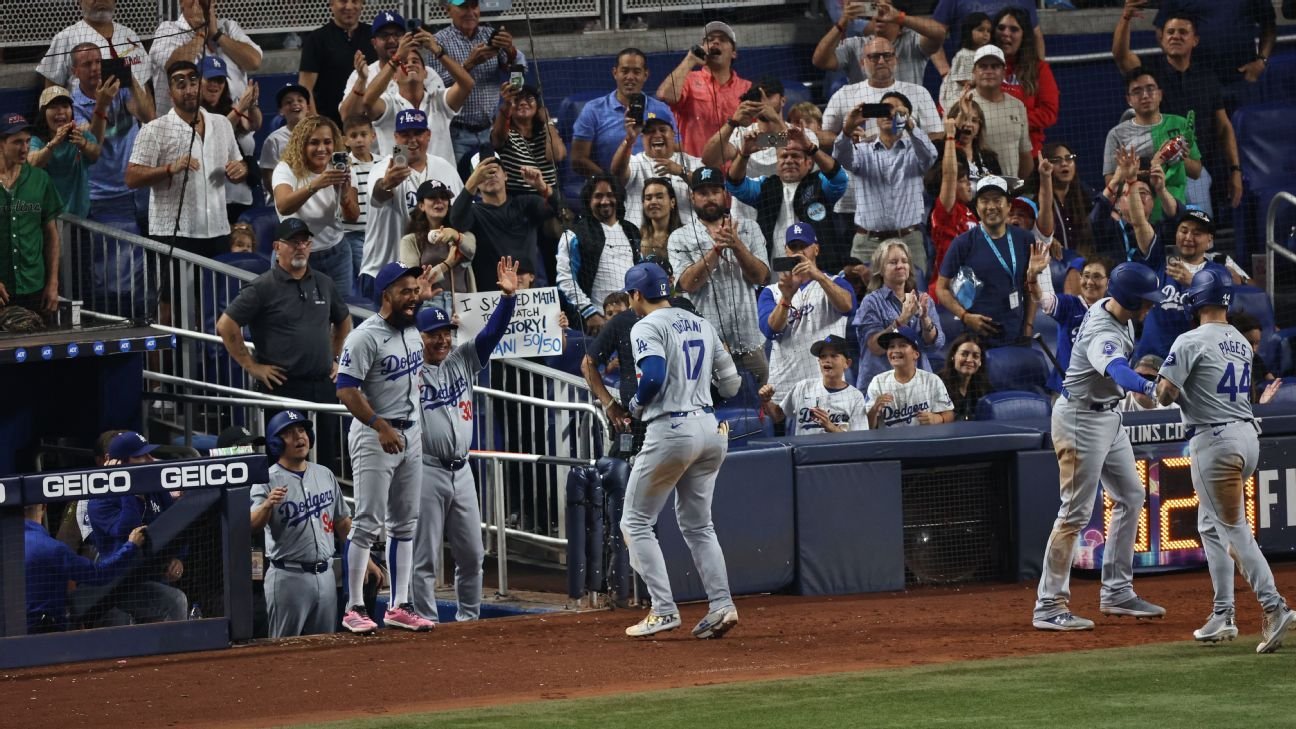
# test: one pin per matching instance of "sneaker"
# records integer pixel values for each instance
(1134, 607)
(357, 620)
(404, 617)
(653, 624)
(1276, 623)
(1219, 626)
(1063, 622)
(716, 623)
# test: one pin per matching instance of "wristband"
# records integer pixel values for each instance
(840, 28)
(101, 115)
(372, 420)
(785, 303)
(439, 53)
(901, 19)
(357, 90)
(215, 37)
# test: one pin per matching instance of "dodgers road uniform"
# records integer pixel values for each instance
(300, 588)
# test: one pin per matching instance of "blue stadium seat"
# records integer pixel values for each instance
(794, 92)
(573, 352)
(1267, 152)
(1286, 394)
(263, 220)
(742, 411)
(1047, 327)
(1012, 405)
(949, 323)
(1016, 368)
(1254, 301)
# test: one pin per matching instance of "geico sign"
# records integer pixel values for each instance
(211, 474)
(86, 484)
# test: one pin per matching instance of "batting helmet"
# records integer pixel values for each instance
(1210, 287)
(649, 280)
(280, 422)
(1133, 283)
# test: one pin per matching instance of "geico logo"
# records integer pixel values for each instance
(86, 484)
(212, 474)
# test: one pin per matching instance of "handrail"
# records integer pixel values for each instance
(1271, 239)
(553, 374)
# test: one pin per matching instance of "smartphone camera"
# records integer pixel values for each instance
(783, 264)
(399, 156)
(636, 110)
(413, 25)
(517, 76)
(340, 162)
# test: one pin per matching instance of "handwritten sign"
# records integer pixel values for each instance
(532, 332)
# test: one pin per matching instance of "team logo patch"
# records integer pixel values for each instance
(640, 346)
(1169, 360)
(1109, 348)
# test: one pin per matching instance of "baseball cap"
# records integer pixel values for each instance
(237, 435)
(290, 228)
(461, 3)
(705, 176)
(831, 342)
(716, 25)
(291, 88)
(802, 233)
(651, 120)
(1200, 216)
(411, 120)
(648, 279)
(433, 188)
(432, 318)
(212, 67)
(908, 334)
(386, 18)
(390, 273)
(1027, 203)
(129, 445)
(48, 96)
(988, 51)
(991, 182)
(12, 123)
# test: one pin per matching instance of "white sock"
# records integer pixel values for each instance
(400, 558)
(357, 563)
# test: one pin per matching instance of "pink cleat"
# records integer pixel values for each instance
(357, 620)
(403, 616)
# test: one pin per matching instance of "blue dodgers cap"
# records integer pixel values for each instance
(386, 18)
(649, 280)
(802, 233)
(388, 274)
(833, 343)
(212, 67)
(432, 318)
(908, 334)
(129, 445)
(411, 120)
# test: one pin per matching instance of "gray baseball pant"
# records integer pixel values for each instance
(448, 512)
(300, 603)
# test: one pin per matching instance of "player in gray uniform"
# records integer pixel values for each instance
(678, 355)
(304, 514)
(377, 381)
(449, 507)
(1208, 372)
(1091, 444)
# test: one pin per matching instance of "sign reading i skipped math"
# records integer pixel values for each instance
(532, 332)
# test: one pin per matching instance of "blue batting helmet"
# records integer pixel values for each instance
(1133, 283)
(649, 280)
(1210, 287)
(279, 423)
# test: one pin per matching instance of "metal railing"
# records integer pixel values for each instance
(1274, 246)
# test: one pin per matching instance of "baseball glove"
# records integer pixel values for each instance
(17, 320)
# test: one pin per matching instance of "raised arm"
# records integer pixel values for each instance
(671, 89)
(1124, 57)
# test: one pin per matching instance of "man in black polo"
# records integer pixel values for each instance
(328, 56)
(298, 324)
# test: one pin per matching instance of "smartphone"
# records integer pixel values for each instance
(867, 8)
(485, 151)
(698, 51)
(340, 161)
(517, 76)
(1172, 254)
(638, 102)
(116, 67)
(782, 264)
(399, 155)
(412, 25)
(491, 36)
(774, 139)
(875, 111)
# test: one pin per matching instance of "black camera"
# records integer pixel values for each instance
(340, 162)
(413, 25)
(638, 103)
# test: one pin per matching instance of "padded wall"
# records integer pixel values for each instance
(1035, 508)
(850, 535)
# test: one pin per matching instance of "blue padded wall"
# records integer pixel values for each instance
(850, 535)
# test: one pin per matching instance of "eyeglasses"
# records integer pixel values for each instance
(1093, 276)
(879, 57)
(184, 82)
(1062, 158)
(1144, 90)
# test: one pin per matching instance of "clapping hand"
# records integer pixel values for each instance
(361, 65)
(908, 307)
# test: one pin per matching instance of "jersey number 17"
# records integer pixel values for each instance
(694, 353)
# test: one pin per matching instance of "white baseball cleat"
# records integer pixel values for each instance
(716, 623)
(1063, 622)
(653, 624)
(1220, 626)
(1276, 623)
(1134, 607)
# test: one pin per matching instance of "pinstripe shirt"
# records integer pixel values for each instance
(726, 299)
(482, 103)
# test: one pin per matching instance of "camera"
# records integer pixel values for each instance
(774, 139)
(783, 264)
(635, 110)
(340, 162)
(517, 76)
(116, 67)
(399, 156)
(413, 25)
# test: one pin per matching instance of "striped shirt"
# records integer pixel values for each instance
(518, 151)
(360, 181)
(726, 299)
(479, 109)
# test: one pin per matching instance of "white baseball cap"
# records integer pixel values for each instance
(715, 25)
(988, 51)
(991, 182)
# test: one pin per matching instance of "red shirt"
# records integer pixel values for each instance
(704, 106)
(945, 227)
(1042, 108)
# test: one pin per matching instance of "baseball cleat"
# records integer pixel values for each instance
(716, 623)
(403, 616)
(653, 624)
(1220, 626)
(1063, 622)
(357, 620)
(1134, 607)
(1276, 623)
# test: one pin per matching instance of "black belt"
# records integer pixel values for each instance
(449, 464)
(1192, 429)
(887, 233)
(474, 128)
(1097, 407)
(399, 424)
(313, 568)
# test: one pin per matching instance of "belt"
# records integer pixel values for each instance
(1191, 430)
(456, 124)
(449, 464)
(887, 233)
(688, 413)
(399, 424)
(1097, 407)
(313, 568)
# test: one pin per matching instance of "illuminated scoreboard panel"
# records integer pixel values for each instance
(1167, 524)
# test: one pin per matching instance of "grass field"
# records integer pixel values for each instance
(1178, 685)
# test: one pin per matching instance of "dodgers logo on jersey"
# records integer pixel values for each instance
(893, 415)
(295, 513)
(640, 346)
(1109, 348)
(394, 367)
(433, 398)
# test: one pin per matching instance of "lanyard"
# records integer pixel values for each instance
(1012, 253)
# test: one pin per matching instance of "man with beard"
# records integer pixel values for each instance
(703, 99)
(378, 383)
(661, 158)
(594, 255)
(387, 31)
(184, 157)
(198, 33)
(720, 259)
(602, 121)
(98, 27)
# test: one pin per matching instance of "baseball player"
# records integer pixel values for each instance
(677, 355)
(1208, 372)
(1090, 443)
(377, 381)
(825, 404)
(448, 500)
(303, 513)
(907, 395)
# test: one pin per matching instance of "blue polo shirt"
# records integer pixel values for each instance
(108, 173)
(49, 565)
(1168, 319)
(1000, 265)
(602, 122)
(1068, 313)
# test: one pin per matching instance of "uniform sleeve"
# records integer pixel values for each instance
(647, 341)
(787, 400)
(858, 412)
(1177, 363)
(260, 492)
(57, 61)
(765, 304)
(874, 391)
(747, 191)
(834, 185)
(1104, 350)
(84, 572)
(357, 355)
(116, 516)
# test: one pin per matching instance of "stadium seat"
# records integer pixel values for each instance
(1254, 301)
(949, 323)
(795, 92)
(1012, 405)
(742, 411)
(1286, 394)
(1016, 368)
(263, 221)
(1267, 152)
(1047, 327)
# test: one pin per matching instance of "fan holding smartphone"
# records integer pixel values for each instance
(484, 51)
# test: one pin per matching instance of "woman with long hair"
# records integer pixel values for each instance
(893, 301)
(969, 139)
(244, 116)
(1071, 200)
(64, 150)
(661, 217)
(965, 376)
(523, 137)
(1027, 76)
(429, 241)
(310, 187)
